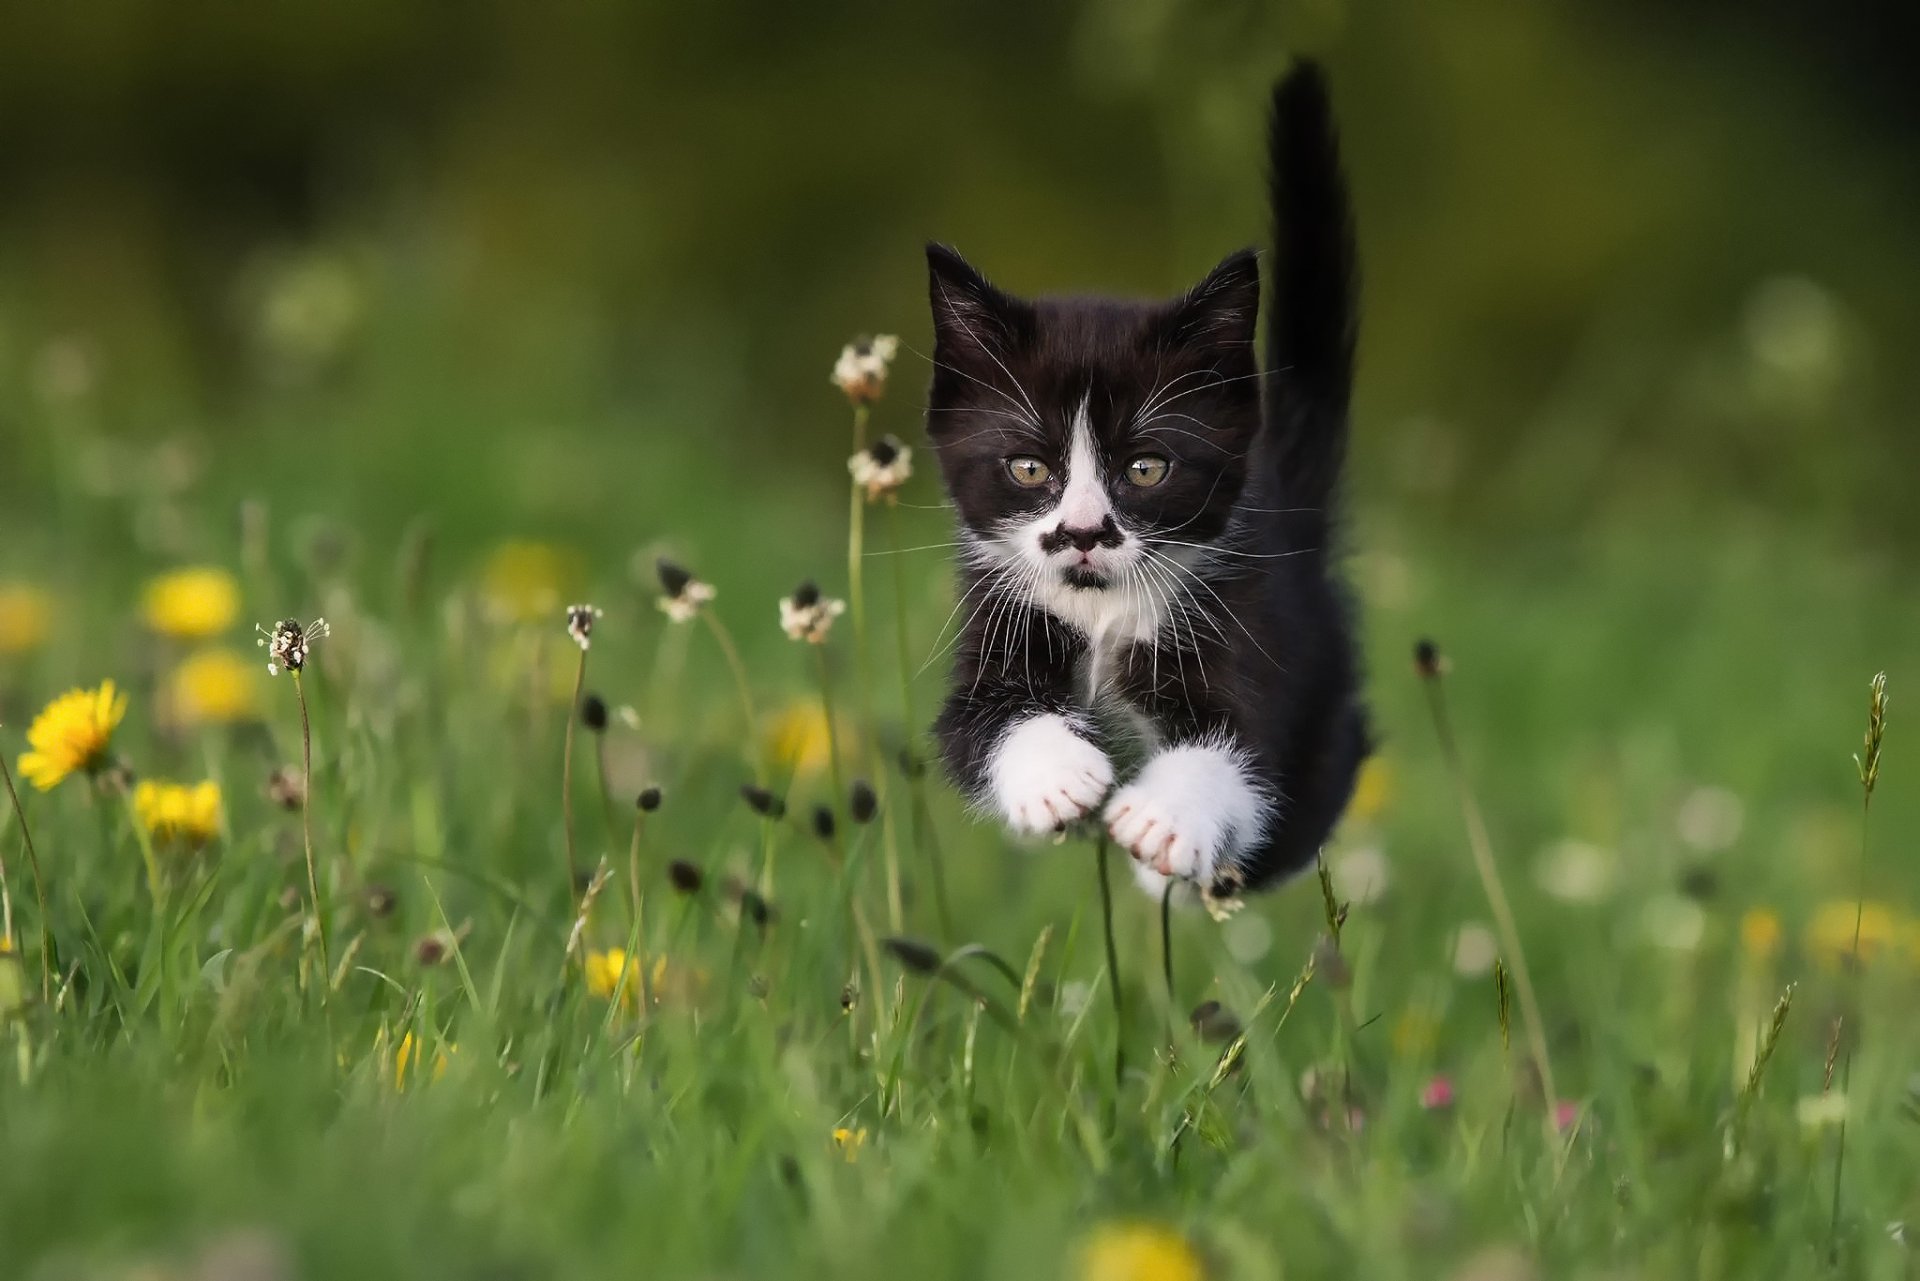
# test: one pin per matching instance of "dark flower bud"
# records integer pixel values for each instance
(755, 909)
(673, 578)
(762, 802)
(823, 822)
(381, 901)
(431, 949)
(593, 713)
(863, 804)
(1214, 1023)
(1427, 660)
(649, 800)
(686, 877)
(915, 955)
(806, 595)
(884, 450)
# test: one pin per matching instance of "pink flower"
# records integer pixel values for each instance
(1565, 1113)
(1437, 1094)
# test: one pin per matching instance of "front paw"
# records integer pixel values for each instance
(1045, 776)
(1189, 813)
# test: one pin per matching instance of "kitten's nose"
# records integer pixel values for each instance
(1083, 538)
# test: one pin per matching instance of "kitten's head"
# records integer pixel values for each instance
(1078, 437)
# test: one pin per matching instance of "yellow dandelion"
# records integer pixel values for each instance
(192, 604)
(214, 687)
(1372, 791)
(175, 814)
(1760, 933)
(405, 1055)
(526, 582)
(798, 739)
(1139, 1252)
(850, 1142)
(1830, 933)
(72, 734)
(25, 613)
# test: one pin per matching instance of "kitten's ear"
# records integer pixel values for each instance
(1219, 312)
(970, 315)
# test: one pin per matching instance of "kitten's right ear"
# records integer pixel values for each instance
(970, 315)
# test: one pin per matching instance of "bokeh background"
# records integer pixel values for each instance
(1635, 411)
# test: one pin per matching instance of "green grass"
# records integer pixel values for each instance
(190, 1083)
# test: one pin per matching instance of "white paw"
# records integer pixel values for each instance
(1044, 775)
(1190, 812)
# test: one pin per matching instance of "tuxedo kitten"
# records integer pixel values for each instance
(1146, 523)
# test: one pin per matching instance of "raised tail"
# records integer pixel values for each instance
(1313, 312)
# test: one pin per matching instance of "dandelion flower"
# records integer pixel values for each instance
(1139, 1252)
(861, 371)
(850, 1142)
(1371, 791)
(192, 604)
(287, 644)
(406, 1055)
(580, 620)
(807, 615)
(605, 971)
(214, 687)
(523, 581)
(1760, 933)
(25, 613)
(882, 468)
(174, 814)
(682, 594)
(1830, 934)
(71, 735)
(800, 740)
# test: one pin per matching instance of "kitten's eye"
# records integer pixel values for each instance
(1029, 472)
(1147, 471)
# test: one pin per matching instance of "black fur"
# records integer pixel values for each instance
(1260, 649)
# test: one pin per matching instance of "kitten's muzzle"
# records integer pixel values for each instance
(1084, 538)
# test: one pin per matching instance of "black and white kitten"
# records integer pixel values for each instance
(1146, 521)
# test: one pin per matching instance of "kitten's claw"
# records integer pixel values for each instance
(1045, 776)
(1191, 810)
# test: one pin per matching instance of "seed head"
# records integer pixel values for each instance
(685, 877)
(287, 644)
(287, 787)
(863, 804)
(649, 800)
(762, 802)
(1428, 662)
(682, 594)
(807, 615)
(593, 713)
(381, 900)
(823, 825)
(861, 371)
(882, 468)
(1868, 761)
(755, 908)
(580, 620)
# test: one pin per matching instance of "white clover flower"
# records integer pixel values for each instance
(861, 371)
(807, 615)
(1576, 872)
(882, 468)
(1475, 949)
(1360, 875)
(580, 620)
(1710, 818)
(1674, 922)
(287, 644)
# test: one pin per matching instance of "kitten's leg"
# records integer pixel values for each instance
(1192, 810)
(1033, 763)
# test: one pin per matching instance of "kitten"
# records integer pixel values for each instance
(1146, 523)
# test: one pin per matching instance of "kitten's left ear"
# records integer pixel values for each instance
(1219, 312)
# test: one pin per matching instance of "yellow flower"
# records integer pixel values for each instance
(72, 734)
(1415, 1032)
(405, 1056)
(850, 1142)
(1830, 933)
(176, 814)
(604, 971)
(24, 614)
(1139, 1252)
(525, 582)
(798, 739)
(1760, 933)
(214, 687)
(1372, 790)
(192, 604)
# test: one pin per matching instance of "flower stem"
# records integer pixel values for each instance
(306, 832)
(1113, 967)
(833, 734)
(39, 886)
(744, 691)
(923, 826)
(566, 775)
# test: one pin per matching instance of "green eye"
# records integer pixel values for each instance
(1029, 472)
(1147, 471)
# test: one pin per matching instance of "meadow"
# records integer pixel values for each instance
(647, 942)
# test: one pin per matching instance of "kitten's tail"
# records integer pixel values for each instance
(1313, 314)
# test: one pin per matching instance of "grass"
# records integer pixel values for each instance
(200, 1084)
